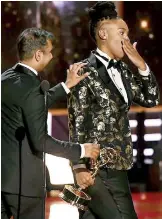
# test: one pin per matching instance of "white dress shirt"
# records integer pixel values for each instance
(66, 90)
(116, 76)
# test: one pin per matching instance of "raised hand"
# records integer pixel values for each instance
(133, 54)
(73, 77)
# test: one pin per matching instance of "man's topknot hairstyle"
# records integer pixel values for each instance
(100, 11)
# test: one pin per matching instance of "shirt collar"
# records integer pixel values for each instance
(101, 59)
(27, 66)
(106, 63)
(103, 54)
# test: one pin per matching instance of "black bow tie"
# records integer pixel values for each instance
(114, 64)
(111, 62)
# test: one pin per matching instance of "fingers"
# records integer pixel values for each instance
(89, 181)
(135, 45)
(74, 69)
(80, 78)
(127, 44)
(84, 178)
(86, 184)
(96, 151)
(80, 66)
(74, 65)
(94, 155)
(86, 181)
(83, 186)
(96, 147)
(128, 48)
(125, 48)
(92, 150)
(77, 66)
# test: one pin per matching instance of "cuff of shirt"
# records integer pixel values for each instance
(146, 72)
(65, 88)
(79, 166)
(82, 150)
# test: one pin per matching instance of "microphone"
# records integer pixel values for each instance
(44, 87)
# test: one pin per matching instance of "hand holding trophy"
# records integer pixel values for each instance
(75, 196)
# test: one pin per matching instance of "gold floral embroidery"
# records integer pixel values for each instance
(98, 114)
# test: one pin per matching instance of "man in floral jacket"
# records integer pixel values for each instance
(98, 111)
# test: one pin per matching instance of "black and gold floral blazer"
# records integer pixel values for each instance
(98, 112)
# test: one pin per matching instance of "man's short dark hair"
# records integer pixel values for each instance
(32, 39)
(100, 11)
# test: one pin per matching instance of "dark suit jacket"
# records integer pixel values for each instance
(22, 105)
(98, 112)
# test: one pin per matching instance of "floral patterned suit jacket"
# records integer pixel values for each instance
(98, 112)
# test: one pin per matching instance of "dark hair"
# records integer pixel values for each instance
(30, 40)
(100, 11)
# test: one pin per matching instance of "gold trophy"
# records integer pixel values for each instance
(75, 196)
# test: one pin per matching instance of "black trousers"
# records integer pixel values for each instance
(30, 207)
(111, 197)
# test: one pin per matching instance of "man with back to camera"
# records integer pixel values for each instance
(23, 106)
(98, 112)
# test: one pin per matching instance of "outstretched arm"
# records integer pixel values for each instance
(62, 89)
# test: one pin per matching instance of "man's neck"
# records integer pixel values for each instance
(106, 51)
(103, 54)
(28, 65)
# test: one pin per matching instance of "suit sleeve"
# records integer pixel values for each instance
(78, 108)
(56, 93)
(35, 119)
(145, 90)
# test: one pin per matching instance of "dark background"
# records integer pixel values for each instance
(69, 23)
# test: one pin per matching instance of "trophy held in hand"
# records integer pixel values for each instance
(78, 198)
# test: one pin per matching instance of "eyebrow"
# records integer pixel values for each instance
(123, 29)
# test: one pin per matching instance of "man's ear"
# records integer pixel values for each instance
(102, 34)
(38, 55)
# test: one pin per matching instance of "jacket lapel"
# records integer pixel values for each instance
(102, 72)
(100, 68)
(126, 83)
